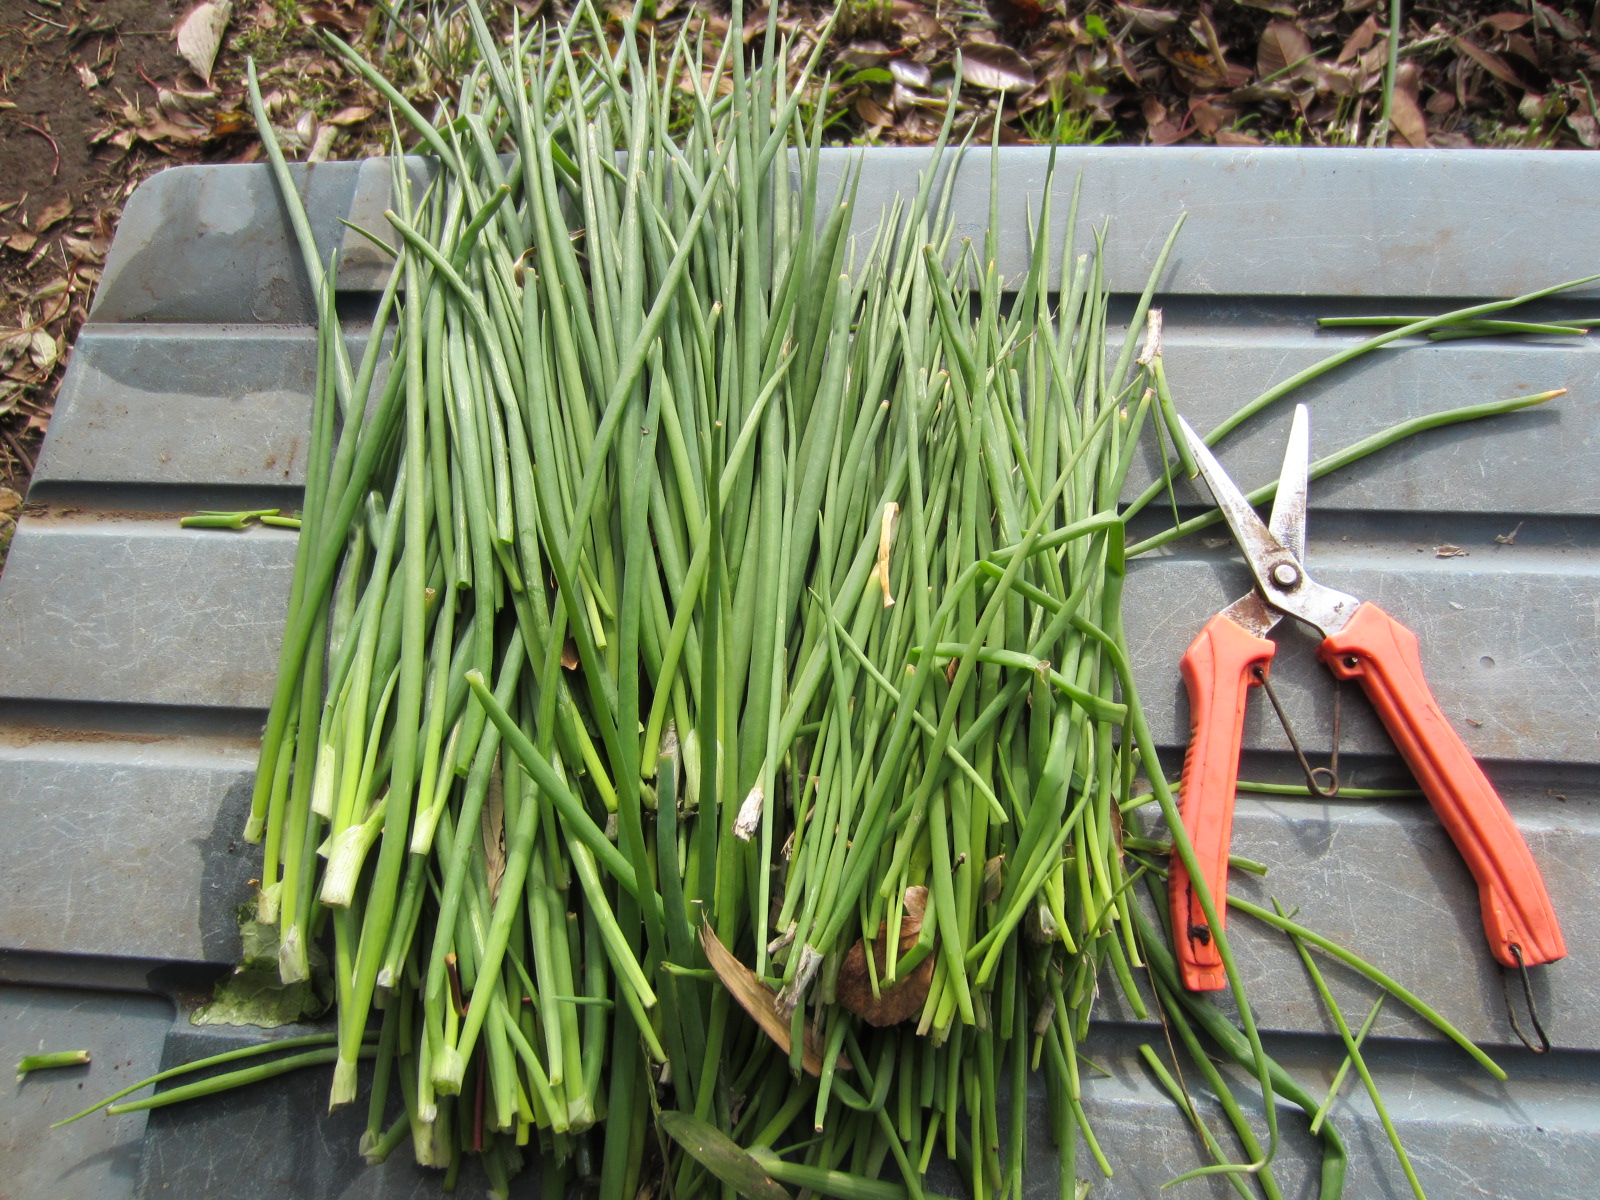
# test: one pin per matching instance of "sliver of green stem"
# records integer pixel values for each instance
(294, 1043)
(1344, 1067)
(1181, 1098)
(1392, 986)
(1353, 1050)
(1350, 454)
(1300, 378)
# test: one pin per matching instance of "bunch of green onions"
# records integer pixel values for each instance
(711, 616)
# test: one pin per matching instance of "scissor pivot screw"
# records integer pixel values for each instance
(1285, 575)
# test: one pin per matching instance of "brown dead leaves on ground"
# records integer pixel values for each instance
(56, 254)
(58, 205)
(1251, 72)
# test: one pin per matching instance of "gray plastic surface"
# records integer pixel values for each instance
(124, 1035)
(136, 657)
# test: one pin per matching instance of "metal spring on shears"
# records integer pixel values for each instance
(1527, 994)
(1311, 773)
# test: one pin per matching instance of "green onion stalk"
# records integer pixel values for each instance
(704, 743)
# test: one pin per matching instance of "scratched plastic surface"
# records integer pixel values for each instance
(136, 658)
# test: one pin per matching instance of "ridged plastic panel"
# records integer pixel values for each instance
(136, 657)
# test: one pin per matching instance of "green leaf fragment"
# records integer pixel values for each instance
(721, 1155)
(255, 994)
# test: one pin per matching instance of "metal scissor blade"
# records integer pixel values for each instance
(1253, 614)
(1288, 519)
(1262, 549)
(1280, 576)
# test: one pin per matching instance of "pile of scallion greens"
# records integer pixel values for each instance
(704, 740)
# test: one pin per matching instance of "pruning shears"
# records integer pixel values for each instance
(1360, 641)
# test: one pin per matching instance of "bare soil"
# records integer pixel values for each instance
(60, 192)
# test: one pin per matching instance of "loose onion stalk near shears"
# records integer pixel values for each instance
(699, 622)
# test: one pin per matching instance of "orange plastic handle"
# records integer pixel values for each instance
(1383, 655)
(1219, 669)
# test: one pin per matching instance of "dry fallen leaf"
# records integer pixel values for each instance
(21, 242)
(86, 249)
(1506, 22)
(1339, 81)
(910, 74)
(1147, 21)
(905, 999)
(45, 350)
(55, 306)
(323, 15)
(873, 113)
(1209, 118)
(87, 77)
(353, 115)
(1568, 29)
(51, 214)
(1195, 70)
(173, 101)
(1366, 33)
(1282, 10)
(162, 130)
(757, 999)
(1586, 127)
(916, 25)
(229, 122)
(995, 68)
(1166, 133)
(199, 35)
(1406, 113)
(1124, 64)
(1490, 62)
(1025, 14)
(906, 100)
(864, 53)
(1525, 50)
(1449, 550)
(1282, 44)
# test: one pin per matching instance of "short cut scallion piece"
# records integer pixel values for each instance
(50, 1060)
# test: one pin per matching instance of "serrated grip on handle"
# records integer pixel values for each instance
(1383, 655)
(1219, 669)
